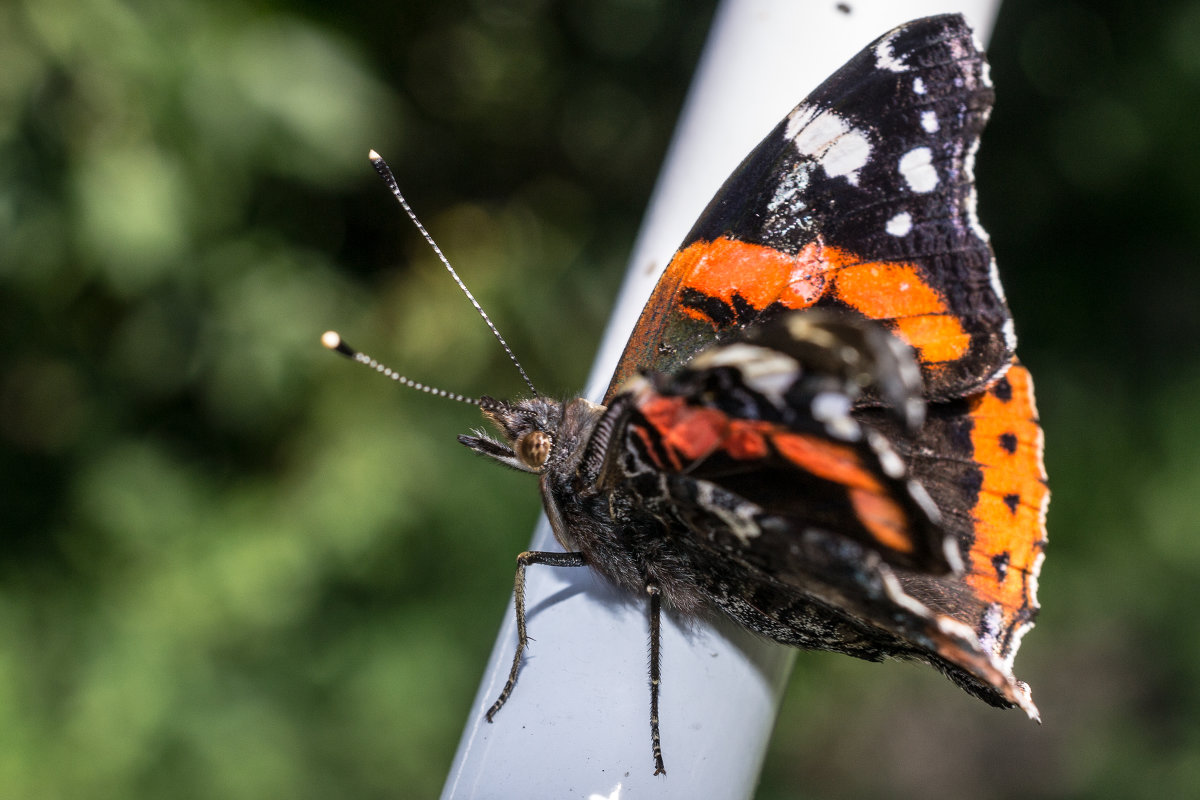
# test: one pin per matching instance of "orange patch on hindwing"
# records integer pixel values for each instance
(877, 512)
(827, 460)
(690, 434)
(885, 519)
(1010, 527)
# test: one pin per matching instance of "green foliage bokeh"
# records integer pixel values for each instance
(232, 566)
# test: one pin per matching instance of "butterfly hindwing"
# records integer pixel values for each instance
(756, 443)
(822, 510)
(981, 460)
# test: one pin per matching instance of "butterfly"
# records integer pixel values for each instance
(819, 426)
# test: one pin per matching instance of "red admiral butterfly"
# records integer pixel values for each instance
(819, 426)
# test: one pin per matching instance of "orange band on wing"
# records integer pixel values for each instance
(833, 462)
(746, 439)
(884, 519)
(690, 434)
(897, 292)
(937, 337)
(877, 512)
(888, 291)
(758, 275)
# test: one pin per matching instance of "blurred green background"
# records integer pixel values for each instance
(234, 567)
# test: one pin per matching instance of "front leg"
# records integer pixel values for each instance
(523, 561)
(655, 671)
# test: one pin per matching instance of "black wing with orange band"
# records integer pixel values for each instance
(863, 200)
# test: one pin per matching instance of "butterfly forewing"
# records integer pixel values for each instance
(862, 200)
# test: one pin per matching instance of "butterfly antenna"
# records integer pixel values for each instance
(385, 172)
(334, 341)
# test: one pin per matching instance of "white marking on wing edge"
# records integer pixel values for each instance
(837, 146)
(1009, 330)
(929, 121)
(972, 202)
(885, 56)
(985, 72)
(900, 224)
(994, 278)
(917, 168)
(971, 209)
(990, 626)
(918, 85)
(1025, 627)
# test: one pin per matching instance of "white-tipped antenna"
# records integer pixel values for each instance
(334, 341)
(385, 172)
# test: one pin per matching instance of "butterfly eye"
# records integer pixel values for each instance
(534, 447)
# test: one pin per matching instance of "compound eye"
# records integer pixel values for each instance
(534, 448)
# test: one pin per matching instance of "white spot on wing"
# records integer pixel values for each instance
(739, 519)
(918, 85)
(900, 224)
(789, 194)
(766, 371)
(895, 592)
(838, 147)
(891, 463)
(828, 405)
(950, 549)
(885, 56)
(929, 121)
(918, 493)
(833, 409)
(801, 116)
(916, 166)
(847, 156)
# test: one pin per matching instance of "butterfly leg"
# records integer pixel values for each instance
(655, 670)
(523, 561)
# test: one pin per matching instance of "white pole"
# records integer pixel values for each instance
(577, 725)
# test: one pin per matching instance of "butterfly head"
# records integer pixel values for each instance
(528, 431)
